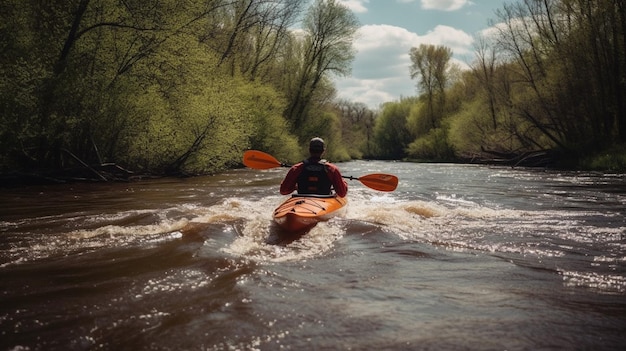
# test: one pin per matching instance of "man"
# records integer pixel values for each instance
(314, 175)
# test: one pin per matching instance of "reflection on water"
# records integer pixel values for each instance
(458, 256)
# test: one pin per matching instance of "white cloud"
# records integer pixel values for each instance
(380, 71)
(456, 39)
(358, 6)
(371, 92)
(444, 5)
(377, 36)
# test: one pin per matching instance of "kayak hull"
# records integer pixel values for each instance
(301, 212)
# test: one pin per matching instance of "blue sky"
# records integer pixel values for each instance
(389, 28)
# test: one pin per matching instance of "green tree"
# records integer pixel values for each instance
(430, 64)
(269, 131)
(132, 82)
(391, 131)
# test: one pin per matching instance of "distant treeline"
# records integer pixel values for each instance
(183, 87)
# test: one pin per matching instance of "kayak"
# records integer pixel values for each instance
(304, 211)
(301, 212)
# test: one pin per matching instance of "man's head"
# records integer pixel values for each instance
(316, 146)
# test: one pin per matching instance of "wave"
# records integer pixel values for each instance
(243, 228)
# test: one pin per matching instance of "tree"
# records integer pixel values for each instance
(484, 70)
(252, 31)
(326, 48)
(357, 123)
(430, 65)
(391, 131)
(550, 41)
(134, 82)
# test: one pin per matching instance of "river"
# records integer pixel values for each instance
(459, 257)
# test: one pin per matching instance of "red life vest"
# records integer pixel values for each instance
(314, 178)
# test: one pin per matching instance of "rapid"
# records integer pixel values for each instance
(459, 257)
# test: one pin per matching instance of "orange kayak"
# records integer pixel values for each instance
(301, 212)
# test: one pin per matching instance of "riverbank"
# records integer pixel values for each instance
(108, 172)
(612, 160)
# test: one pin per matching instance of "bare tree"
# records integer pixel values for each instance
(484, 71)
(570, 65)
(327, 49)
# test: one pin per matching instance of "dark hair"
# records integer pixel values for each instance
(316, 145)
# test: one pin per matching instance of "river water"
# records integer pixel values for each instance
(459, 257)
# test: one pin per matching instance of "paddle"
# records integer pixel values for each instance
(377, 181)
(260, 160)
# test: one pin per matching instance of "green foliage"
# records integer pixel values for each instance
(431, 64)
(268, 130)
(197, 129)
(391, 132)
(163, 86)
(612, 160)
(357, 123)
(23, 66)
(467, 129)
(472, 129)
(433, 146)
(326, 125)
(418, 121)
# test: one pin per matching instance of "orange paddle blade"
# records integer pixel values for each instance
(380, 181)
(260, 160)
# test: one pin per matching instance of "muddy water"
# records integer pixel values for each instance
(458, 257)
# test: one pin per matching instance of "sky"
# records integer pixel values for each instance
(390, 28)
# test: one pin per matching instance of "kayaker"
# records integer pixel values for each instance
(314, 175)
